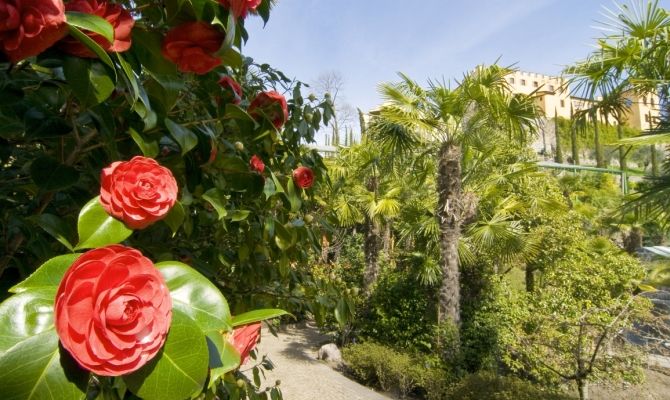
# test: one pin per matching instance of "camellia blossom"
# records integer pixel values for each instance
(139, 192)
(113, 310)
(28, 27)
(232, 89)
(240, 8)
(117, 16)
(272, 105)
(303, 177)
(244, 339)
(257, 164)
(192, 46)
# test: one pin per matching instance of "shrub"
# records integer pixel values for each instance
(389, 369)
(486, 385)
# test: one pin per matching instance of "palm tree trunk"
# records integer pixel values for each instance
(573, 140)
(558, 156)
(371, 245)
(449, 219)
(599, 150)
(622, 155)
(654, 161)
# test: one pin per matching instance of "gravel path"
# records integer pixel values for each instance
(302, 376)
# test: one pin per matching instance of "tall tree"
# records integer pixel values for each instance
(558, 157)
(451, 121)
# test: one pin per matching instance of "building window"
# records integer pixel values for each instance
(646, 118)
(651, 99)
(562, 103)
(644, 100)
(551, 87)
(511, 80)
(535, 84)
(523, 82)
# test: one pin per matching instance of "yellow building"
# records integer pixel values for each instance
(554, 99)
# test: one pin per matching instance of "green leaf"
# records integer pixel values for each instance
(175, 217)
(179, 370)
(293, 196)
(147, 48)
(48, 275)
(51, 175)
(25, 315)
(223, 357)
(97, 228)
(36, 369)
(236, 112)
(195, 296)
(217, 200)
(187, 140)
(149, 147)
(93, 46)
(285, 237)
(90, 80)
(55, 227)
(239, 215)
(257, 315)
(92, 23)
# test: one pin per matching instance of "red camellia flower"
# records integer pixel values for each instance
(113, 310)
(192, 46)
(117, 16)
(244, 339)
(139, 192)
(28, 27)
(240, 8)
(232, 89)
(303, 177)
(272, 105)
(257, 164)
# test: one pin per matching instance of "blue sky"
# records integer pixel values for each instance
(369, 41)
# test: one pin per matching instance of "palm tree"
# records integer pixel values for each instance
(635, 53)
(452, 120)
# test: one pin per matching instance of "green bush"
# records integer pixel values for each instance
(399, 313)
(485, 385)
(391, 370)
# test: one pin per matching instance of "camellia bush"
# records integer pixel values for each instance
(153, 180)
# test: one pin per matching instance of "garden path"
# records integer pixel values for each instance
(302, 376)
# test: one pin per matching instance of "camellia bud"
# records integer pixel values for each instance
(239, 146)
(277, 382)
(308, 117)
(240, 383)
(311, 97)
(309, 218)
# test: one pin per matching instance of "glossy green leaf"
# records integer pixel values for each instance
(147, 49)
(285, 237)
(257, 315)
(223, 357)
(89, 79)
(236, 112)
(175, 217)
(48, 275)
(93, 46)
(55, 227)
(24, 315)
(149, 147)
(293, 196)
(186, 139)
(179, 370)
(97, 228)
(35, 369)
(216, 199)
(50, 175)
(195, 296)
(91, 22)
(239, 215)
